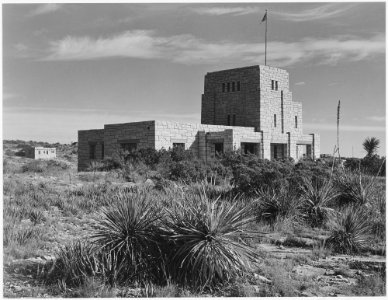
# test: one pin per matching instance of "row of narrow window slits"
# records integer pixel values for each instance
(231, 87)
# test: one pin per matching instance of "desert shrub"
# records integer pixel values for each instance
(187, 171)
(276, 204)
(19, 235)
(33, 166)
(355, 189)
(313, 171)
(253, 174)
(350, 230)
(209, 241)
(74, 264)
(317, 197)
(369, 165)
(129, 231)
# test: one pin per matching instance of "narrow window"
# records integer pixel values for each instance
(274, 120)
(296, 122)
(272, 84)
(223, 87)
(228, 87)
(92, 151)
(102, 150)
(38, 152)
(276, 85)
(275, 151)
(219, 148)
(238, 86)
(233, 86)
(130, 147)
(282, 111)
(234, 120)
(228, 120)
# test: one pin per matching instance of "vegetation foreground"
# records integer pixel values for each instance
(162, 224)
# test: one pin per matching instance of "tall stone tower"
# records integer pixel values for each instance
(258, 97)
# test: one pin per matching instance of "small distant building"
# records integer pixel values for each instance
(41, 152)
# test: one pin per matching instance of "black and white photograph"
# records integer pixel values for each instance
(190, 149)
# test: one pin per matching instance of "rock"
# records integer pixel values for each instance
(149, 183)
(329, 273)
(262, 278)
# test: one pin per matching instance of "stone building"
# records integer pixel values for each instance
(248, 108)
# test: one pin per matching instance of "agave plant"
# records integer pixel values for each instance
(209, 241)
(317, 197)
(350, 231)
(130, 229)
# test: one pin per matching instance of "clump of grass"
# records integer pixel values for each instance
(75, 263)
(34, 166)
(350, 231)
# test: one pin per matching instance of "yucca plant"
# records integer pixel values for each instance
(129, 229)
(355, 188)
(274, 205)
(317, 198)
(350, 231)
(209, 241)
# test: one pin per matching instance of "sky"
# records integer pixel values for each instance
(69, 67)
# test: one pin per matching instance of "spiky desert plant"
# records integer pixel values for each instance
(274, 205)
(354, 188)
(209, 241)
(74, 264)
(130, 229)
(370, 146)
(350, 231)
(317, 197)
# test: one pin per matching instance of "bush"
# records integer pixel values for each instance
(253, 174)
(370, 165)
(350, 231)
(276, 205)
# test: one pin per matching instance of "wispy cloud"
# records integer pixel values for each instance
(322, 12)
(187, 49)
(45, 9)
(376, 118)
(225, 10)
(300, 83)
(333, 127)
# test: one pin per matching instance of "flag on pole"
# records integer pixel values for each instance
(264, 18)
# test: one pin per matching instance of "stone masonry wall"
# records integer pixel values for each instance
(85, 139)
(200, 137)
(141, 133)
(244, 103)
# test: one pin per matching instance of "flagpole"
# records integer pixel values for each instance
(266, 21)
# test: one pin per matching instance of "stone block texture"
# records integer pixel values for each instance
(247, 108)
